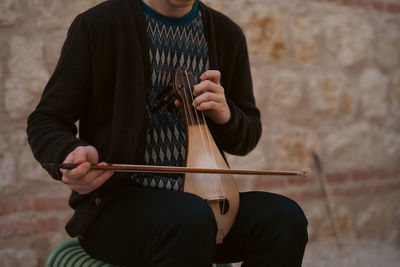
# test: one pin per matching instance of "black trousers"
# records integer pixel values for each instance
(150, 227)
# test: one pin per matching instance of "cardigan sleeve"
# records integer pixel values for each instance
(243, 131)
(51, 126)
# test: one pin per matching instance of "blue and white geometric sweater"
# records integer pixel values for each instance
(173, 42)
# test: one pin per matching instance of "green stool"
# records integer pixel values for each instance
(70, 254)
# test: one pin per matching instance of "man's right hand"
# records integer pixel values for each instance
(82, 179)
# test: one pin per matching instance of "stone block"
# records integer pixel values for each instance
(341, 225)
(18, 257)
(349, 37)
(27, 76)
(305, 35)
(8, 13)
(391, 149)
(358, 146)
(7, 164)
(387, 52)
(266, 31)
(373, 93)
(394, 93)
(293, 148)
(26, 163)
(32, 170)
(286, 92)
(331, 95)
(56, 15)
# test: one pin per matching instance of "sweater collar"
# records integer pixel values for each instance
(137, 10)
(171, 20)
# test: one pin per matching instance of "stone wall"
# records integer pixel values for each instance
(327, 81)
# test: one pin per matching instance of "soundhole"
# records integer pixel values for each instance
(223, 206)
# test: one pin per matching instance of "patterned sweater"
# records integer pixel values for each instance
(173, 42)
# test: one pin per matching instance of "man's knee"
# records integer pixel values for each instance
(294, 213)
(293, 220)
(192, 219)
(188, 233)
(283, 214)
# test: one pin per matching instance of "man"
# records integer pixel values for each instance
(114, 76)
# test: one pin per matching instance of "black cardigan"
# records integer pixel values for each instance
(102, 79)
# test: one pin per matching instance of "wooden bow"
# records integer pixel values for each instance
(172, 169)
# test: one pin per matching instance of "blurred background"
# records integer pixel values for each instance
(327, 81)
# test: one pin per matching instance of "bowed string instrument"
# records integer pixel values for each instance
(206, 172)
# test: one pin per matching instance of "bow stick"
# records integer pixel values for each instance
(173, 169)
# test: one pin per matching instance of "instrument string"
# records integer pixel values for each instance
(190, 92)
(212, 151)
(208, 142)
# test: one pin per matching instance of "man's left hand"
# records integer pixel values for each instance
(210, 97)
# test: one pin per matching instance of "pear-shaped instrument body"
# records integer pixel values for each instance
(219, 190)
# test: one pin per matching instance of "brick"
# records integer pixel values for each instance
(46, 203)
(358, 176)
(337, 178)
(15, 228)
(361, 175)
(47, 224)
(300, 180)
(363, 3)
(393, 8)
(378, 5)
(269, 182)
(21, 228)
(381, 173)
(348, 191)
(307, 195)
(366, 190)
(347, 2)
(9, 206)
(384, 188)
(371, 175)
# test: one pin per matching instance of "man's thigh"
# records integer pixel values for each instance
(258, 228)
(143, 224)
